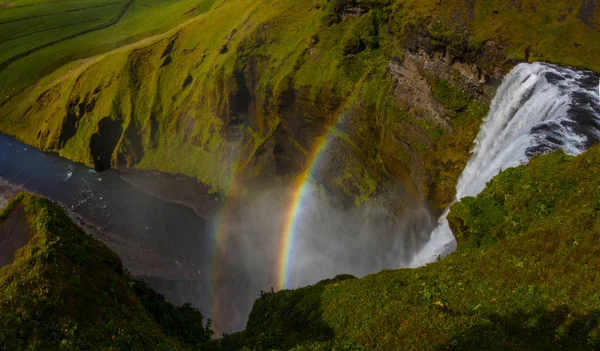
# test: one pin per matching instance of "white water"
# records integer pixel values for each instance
(538, 108)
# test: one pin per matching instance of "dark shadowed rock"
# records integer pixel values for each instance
(14, 234)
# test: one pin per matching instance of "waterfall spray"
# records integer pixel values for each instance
(538, 108)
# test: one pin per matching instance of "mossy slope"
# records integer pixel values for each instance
(245, 91)
(524, 277)
(65, 290)
(39, 36)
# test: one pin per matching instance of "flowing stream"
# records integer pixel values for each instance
(538, 108)
(166, 243)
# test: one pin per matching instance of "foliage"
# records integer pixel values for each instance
(450, 96)
(207, 98)
(451, 152)
(523, 277)
(183, 322)
(554, 192)
(65, 290)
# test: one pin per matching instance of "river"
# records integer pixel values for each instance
(165, 243)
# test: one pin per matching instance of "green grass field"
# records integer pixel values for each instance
(522, 278)
(37, 37)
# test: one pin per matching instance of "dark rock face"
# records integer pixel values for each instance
(14, 234)
(69, 127)
(188, 80)
(240, 99)
(586, 13)
(104, 142)
(131, 149)
(169, 48)
(76, 109)
(305, 120)
(167, 61)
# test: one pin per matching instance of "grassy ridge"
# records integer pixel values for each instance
(523, 278)
(246, 89)
(271, 49)
(37, 37)
(66, 290)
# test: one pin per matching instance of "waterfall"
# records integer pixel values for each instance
(538, 108)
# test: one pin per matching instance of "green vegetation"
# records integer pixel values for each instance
(242, 89)
(560, 32)
(523, 278)
(39, 36)
(67, 291)
(451, 152)
(554, 195)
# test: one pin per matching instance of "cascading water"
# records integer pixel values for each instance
(538, 108)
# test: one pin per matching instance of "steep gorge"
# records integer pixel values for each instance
(241, 97)
(244, 91)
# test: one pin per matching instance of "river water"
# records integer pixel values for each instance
(166, 243)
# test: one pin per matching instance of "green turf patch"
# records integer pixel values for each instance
(37, 37)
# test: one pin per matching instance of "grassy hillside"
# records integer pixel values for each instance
(524, 277)
(39, 36)
(246, 89)
(65, 290)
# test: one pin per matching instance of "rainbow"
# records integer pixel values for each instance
(292, 215)
(220, 229)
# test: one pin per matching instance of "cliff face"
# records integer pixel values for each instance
(246, 90)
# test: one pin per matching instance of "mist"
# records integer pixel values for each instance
(330, 239)
(171, 245)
